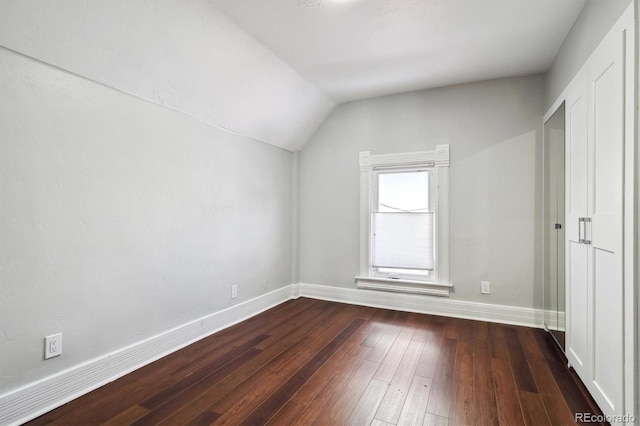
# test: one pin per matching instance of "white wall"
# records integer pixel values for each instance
(120, 219)
(494, 130)
(592, 24)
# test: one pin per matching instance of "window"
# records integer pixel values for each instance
(404, 222)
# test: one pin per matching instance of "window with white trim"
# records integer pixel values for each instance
(404, 231)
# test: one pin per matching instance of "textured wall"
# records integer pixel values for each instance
(495, 134)
(120, 219)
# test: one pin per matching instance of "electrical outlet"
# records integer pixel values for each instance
(485, 287)
(234, 291)
(52, 345)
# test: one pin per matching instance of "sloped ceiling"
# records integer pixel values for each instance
(355, 49)
(274, 69)
(184, 55)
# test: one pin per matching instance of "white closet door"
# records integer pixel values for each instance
(576, 169)
(606, 160)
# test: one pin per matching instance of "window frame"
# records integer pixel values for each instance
(437, 162)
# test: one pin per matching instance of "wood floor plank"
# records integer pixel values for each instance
(318, 389)
(374, 337)
(367, 406)
(93, 409)
(394, 355)
(339, 406)
(415, 406)
(509, 410)
(433, 420)
(339, 369)
(377, 325)
(554, 402)
(240, 333)
(422, 325)
(204, 418)
(245, 330)
(431, 351)
(519, 364)
(377, 422)
(497, 342)
(214, 365)
(240, 401)
(309, 362)
(276, 326)
(451, 328)
(442, 384)
(480, 330)
(240, 378)
(569, 385)
(171, 403)
(533, 409)
(485, 408)
(294, 323)
(277, 399)
(394, 400)
(127, 416)
(384, 343)
(463, 403)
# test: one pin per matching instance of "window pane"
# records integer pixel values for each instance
(403, 240)
(404, 191)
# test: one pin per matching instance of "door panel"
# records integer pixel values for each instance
(607, 153)
(606, 143)
(607, 335)
(576, 164)
(576, 202)
(577, 321)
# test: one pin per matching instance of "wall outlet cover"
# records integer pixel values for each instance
(53, 345)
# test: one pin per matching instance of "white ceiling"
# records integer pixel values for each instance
(354, 49)
(273, 69)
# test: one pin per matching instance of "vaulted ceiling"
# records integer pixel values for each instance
(354, 49)
(274, 69)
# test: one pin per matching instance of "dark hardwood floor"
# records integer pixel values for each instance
(315, 362)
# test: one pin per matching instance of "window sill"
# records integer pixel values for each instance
(404, 286)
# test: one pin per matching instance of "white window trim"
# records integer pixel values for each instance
(439, 160)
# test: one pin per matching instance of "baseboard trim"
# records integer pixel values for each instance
(554, 320)
(34, 399)
(425, 305)
(30, 401)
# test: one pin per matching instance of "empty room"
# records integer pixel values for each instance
(319, 212)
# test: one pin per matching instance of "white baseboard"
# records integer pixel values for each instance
(554, 320)
(30, 401)
(425, 305)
